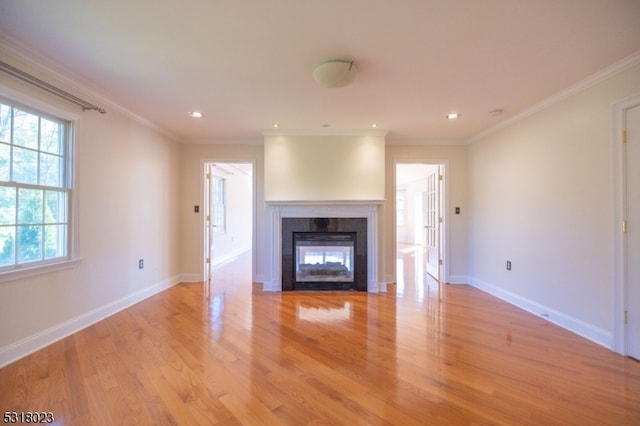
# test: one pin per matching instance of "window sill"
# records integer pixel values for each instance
(27, 272)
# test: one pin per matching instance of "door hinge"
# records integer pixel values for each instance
(208, 260)
(439, 177)
(440, 262)
(626, 317)
(208, 218)
(624, 136)
(208, 175)
(440, 219)
(624, 226)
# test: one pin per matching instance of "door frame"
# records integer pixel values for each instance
(204, 205)
(444, 208)
(619, 338)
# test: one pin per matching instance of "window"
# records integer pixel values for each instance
(218, 204)
(35, 188)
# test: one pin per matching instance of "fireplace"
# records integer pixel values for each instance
(287, 218)
(323, 258)
(324, 254)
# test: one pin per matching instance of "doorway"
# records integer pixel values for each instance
(631, 120)
(228, 214)
(419, 216)
(626, 189)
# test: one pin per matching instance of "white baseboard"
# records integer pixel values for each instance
(271, 285)
(453, 279)
(579, 327)
(28, 345)
(190, 278)
(381, 287)
(226, 258)
(458, 279)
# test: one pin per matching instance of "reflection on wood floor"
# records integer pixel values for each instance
(420, 354)
(411, 274)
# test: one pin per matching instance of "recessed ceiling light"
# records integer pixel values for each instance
(196, 114)
(453, 116)
(325, 125)
(276, 125)
(374, 125)
(496, 112)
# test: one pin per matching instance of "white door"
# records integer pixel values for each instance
(632, 216)
(209, 230)
(432, 223)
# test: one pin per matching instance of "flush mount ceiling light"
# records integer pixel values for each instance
(196, 114)
(453, 116)
(333, 72)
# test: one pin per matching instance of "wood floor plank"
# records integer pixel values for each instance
(423, 353)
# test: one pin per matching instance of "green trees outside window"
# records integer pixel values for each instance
(34, 187)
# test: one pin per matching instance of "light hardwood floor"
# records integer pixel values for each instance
(422, 354)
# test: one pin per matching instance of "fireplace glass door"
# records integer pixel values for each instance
(324, 257)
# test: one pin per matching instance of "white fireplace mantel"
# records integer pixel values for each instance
(276, 210)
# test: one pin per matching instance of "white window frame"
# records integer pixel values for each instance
(23, 270)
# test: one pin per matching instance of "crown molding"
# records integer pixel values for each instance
(222, 141)
(48, 67)
(426, 142)
(325, 132)
(610, 71)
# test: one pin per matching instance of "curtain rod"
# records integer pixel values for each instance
(49, 88)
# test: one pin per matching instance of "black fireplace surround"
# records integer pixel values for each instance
(347, 235)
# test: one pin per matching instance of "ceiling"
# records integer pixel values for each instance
(248, 64)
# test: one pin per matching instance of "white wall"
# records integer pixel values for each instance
(404, 228)
(324, 168)
(541, 197)
(125, 198)
(409, 233)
